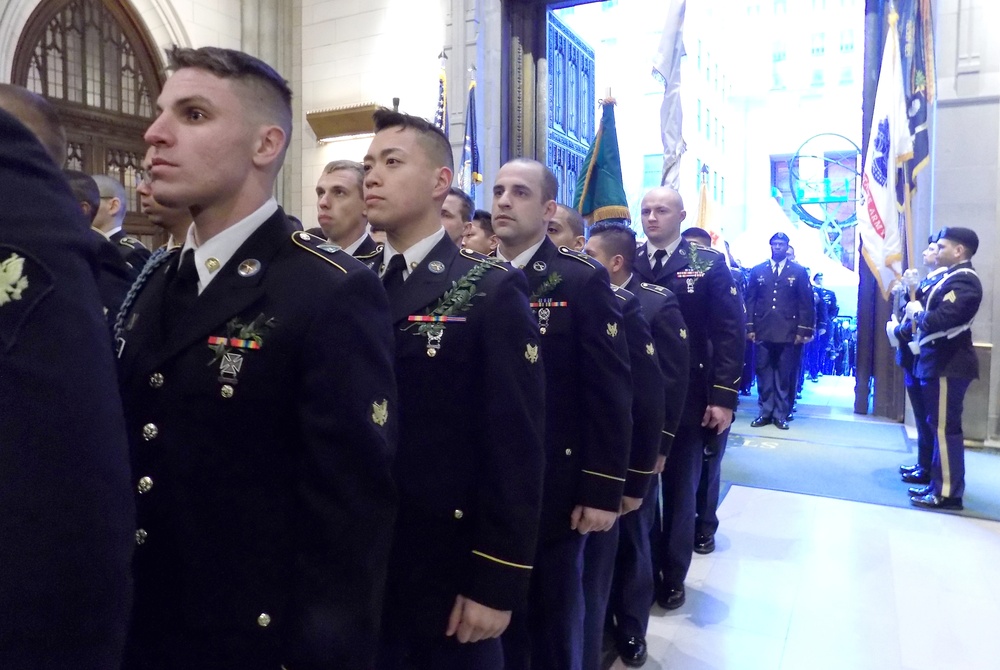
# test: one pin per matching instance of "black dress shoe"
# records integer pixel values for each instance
(920, 491)
(760, 421)
(671, 599)
(632, 651)
(782, 425)
(704, 544)
(931, 501)
(918, 476)
(903, 469)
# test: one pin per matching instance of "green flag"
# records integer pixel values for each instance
(600, 194)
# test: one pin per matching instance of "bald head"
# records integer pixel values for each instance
(662, 213)
(39, 116)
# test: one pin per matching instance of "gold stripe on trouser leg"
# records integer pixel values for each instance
(941, 436)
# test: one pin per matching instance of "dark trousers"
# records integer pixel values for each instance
(445, 653)
(709, 484)
(925, 434)
(776, 367)
(672, 539)
(943, 397)
(598, 571)
(746, 381)
(550, 633)
(632, 589)
(815, 353)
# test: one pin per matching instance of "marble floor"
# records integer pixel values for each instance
(800, 582)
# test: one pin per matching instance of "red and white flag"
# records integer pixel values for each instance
(881, 223)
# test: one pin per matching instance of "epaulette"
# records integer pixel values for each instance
(654, 288)
(578, 255)
(131, 243)
(373, 254)
(622, 293)
(317, 246)
(493, 261)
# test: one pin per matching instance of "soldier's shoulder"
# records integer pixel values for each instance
(657, 295)
(489, 262)
(131, 242)
(328, 256)
(623, 293)
(367, 256)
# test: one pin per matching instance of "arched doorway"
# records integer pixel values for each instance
(94, 60)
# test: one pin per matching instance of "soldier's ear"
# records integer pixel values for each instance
(550, 210)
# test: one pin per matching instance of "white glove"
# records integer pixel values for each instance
(890, 332)
(914, 347)
(913, 308)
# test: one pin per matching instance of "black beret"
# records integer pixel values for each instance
(778, 236)
(964, 236)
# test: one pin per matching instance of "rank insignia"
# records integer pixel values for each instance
(650, 349)
(380, 412)
(12, 280)
(684, 333)
(949, 297)
(613, 330)
(732, 290)
(531, 353)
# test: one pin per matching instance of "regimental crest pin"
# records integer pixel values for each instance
(539, 266)
(380, 412)
(650, 349)
(437, 267)
(684, 333)
(249, 267)
(613, 330)
(531, 353)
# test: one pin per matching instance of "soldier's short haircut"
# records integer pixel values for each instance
(700, 234)
(84, 189)
(617, 239)
(468, 206)
(354, 167)
(39, 116)
(549, 185)
(432, 138)
(484, 220)
(267, 90)
(576, 223)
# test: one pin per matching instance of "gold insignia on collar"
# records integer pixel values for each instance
(380, 412)
(650, 349)
(949, 296)
(684, 333)
(531, 353)
(12, 279)
(613, 329)
(732, 290)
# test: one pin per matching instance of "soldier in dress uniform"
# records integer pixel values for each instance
(175, 221)
(780, 318)
(613, 245)
(470, 483)
(713, 314)
(341, 205)
(919, 472)
(456, 212)
(111, 217)
(66, 509)
(586, 375)
(946, 362)
(478, 235)
(566, 228)
(261, 416)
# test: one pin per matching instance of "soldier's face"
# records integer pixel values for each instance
(561, 233)
(949, 253)
(451, 218)
(930, 255)
(662, 213)
(203, 139)
(520, 213)
(476, 239)
(779, 251)
(595, 249)
(402, 185)
(340, 207)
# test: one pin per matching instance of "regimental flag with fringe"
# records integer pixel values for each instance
(600, 193)
(469, 174)
(880, 213)
(441, 115)
(916, 39)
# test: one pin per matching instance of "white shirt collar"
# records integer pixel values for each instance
(624, 283)
(522, 258)
(108, 233)
(780, 265)
(213, 255)
(670, 249)
(414, 255)
(353, 246)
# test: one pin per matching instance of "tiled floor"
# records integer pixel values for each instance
(807, 583)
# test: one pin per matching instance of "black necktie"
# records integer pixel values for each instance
(658, 256)
(392, 280)
(181, 292)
